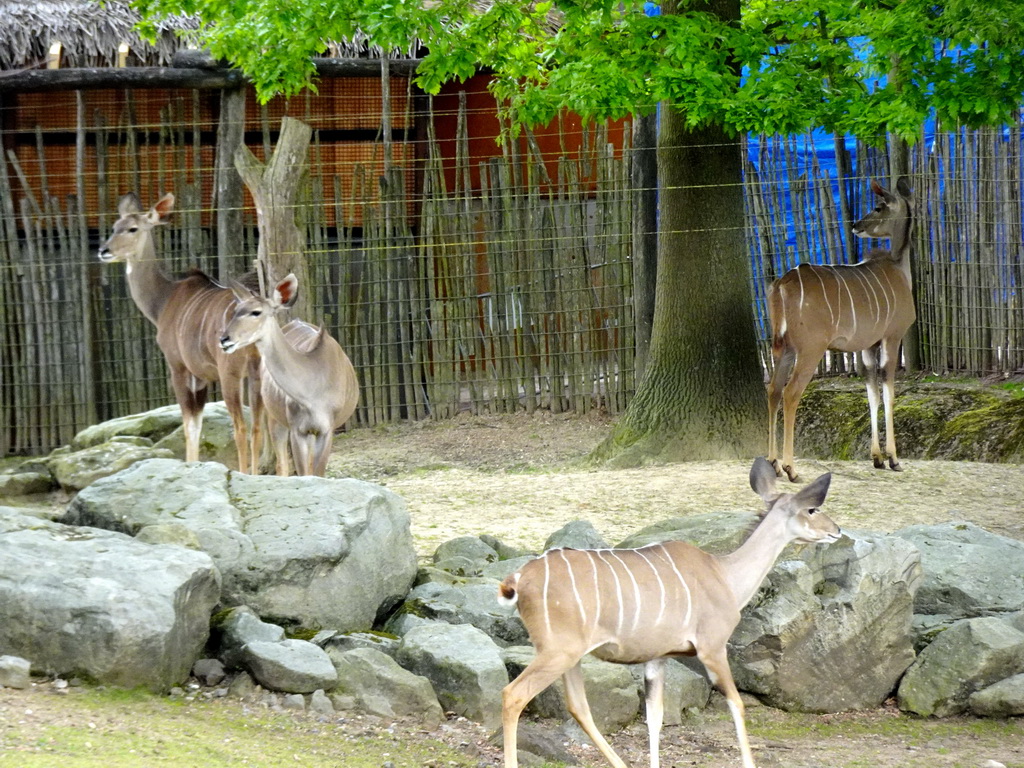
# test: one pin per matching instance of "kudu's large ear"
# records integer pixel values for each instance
(286, 293)
(903, 187)
(812, 495)
(882, 192)
(129, 204)
(762, 479)
(161, 210)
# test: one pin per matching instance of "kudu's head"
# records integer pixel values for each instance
(892, 209)
(805, 522)
(253, 313)
(132, 232)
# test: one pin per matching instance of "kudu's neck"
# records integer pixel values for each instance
(293, 371)
(149, 286)
(901, 238)
(746, 568)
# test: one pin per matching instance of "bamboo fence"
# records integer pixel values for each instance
(504, 286)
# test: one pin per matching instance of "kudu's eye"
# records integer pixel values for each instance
(256, 313)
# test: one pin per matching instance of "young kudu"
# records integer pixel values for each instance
(309, 384)
(644, 605)
(188, 315)
(865, 307)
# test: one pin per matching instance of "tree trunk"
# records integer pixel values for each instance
(275, 188)
(645, 233)
(702, 396)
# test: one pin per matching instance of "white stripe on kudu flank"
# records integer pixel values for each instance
(597, 587)
(636, 589)
(575, 590)
(618, 587)
(682, 581)
(661, 585)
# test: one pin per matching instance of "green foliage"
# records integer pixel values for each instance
(608, 59)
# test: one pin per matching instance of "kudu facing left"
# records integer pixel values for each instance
(309, 385)
(644, 605)
(188, 315)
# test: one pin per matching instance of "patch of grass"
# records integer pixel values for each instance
(119, 729)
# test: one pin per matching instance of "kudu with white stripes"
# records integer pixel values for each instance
(309, 385)
(865, 307)
(188, 315)
(645, 605)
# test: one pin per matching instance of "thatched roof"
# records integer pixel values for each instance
(90, 34)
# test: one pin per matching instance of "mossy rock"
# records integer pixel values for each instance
(960, 422)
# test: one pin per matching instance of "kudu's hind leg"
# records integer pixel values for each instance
(803, 371)
(579, 708)
(782, 368)
(890, 359)
(869, 357)
(538, 675)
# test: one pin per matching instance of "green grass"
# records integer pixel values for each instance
(115, 729)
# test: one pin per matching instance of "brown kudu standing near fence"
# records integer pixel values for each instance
(188, 315)
(644, 605)
(309, 384)
(865, 307)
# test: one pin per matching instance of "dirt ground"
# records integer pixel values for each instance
(520, 478)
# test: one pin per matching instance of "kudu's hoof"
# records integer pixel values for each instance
(895, 466)
(791, 474)
(879, 462)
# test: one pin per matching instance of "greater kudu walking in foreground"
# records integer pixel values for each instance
(188, 315)
(644, 605)
(309, 384)
(865, 307)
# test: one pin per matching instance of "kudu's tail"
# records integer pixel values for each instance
(507, 594)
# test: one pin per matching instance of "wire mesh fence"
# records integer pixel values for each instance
(458, 274)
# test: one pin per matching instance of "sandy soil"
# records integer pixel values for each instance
(522, 477)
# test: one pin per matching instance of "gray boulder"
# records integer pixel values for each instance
(968, 571)
(15, 672)
(26, 482)
(237, 627)
(970, 656)
(715, 532)
(829, 630)
(1003, 699)
(472, 603)
(463, 665)
(153, 425)
(381, 687)
(79, 469)
(305, 551)
(611, 690)
(162, 428)
(340, 643)
(100, 605)
(578, 534)
(292, 666)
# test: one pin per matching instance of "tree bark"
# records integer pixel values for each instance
(275, 189)
(644, 177)
(230, 194)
